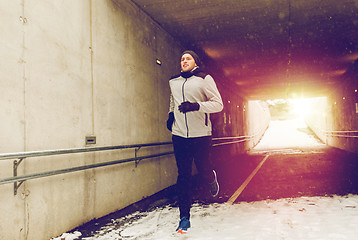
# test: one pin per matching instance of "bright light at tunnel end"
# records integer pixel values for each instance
(294, 107)
(300, 107)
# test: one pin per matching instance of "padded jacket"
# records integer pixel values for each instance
(195, 86)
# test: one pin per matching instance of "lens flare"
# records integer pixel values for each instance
(300, 107)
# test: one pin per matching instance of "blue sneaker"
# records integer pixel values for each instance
(214, 186)
(184, 225)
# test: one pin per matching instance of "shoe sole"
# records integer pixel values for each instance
(181, 231)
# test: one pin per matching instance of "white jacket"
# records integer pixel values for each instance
(200, 88)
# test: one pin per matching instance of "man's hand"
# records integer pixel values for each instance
(188, 107)
(170, 121)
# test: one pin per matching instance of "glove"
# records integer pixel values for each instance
(170, 121)
(188, 107)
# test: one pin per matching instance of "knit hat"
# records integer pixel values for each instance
(194, 55)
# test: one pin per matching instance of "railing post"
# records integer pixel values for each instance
(135, 155)
(17, 184)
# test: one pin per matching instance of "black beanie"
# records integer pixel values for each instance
(194, 55)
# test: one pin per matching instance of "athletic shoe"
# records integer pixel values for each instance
(214, 186)
(184, 225)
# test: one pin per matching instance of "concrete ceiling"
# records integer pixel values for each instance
(266, 48)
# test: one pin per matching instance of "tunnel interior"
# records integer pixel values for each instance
(78, 70)
(268, 50)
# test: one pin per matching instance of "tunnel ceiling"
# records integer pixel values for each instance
(266, 49)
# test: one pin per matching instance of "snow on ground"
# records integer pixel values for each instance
(323, 218)
(331, 217)
(287, 134)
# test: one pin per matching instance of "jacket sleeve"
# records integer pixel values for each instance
(171, 103)
(214, 102)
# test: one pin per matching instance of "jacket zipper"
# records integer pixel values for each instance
(186, 120)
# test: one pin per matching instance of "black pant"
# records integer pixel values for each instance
(186, 150)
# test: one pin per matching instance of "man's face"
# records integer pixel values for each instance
(187, 62)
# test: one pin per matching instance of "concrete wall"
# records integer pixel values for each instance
(334, 118)
(230, 122)
(257, 121)
(72, 69)
(334, 121)
(248, 119)
(317, 116)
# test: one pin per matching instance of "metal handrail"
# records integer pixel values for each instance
(244, 138)
(341, 134)
(338, 133)
(75, 169)
(74, 150)
(18, 180)
(341, 131)
(226, 138)
(19, 155)
(226, 143)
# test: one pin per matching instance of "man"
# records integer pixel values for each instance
(194, 96)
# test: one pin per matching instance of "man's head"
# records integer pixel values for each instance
(189, 60)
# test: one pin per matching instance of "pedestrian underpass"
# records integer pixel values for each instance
(93, 75)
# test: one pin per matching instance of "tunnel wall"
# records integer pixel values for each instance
(316, 117)
(257, 121)
(239, 118)
(73, 69)
(229, 123)
(334, 118)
